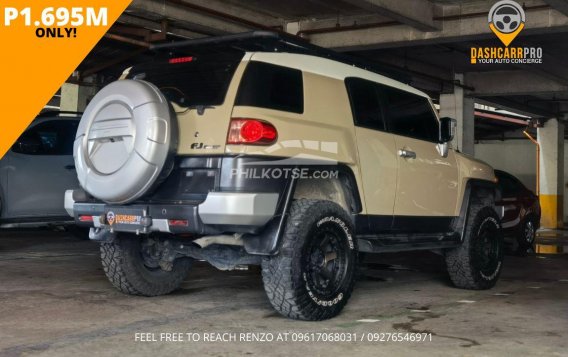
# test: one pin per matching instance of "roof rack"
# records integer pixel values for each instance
(267, 41)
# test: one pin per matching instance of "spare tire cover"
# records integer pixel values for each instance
(123, 141)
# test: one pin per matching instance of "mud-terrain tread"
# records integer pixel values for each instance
(287, 294)
(122, 268)
(458, 260)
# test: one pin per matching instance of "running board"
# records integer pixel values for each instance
(384, 244)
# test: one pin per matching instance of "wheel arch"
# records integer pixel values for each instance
(476, 191)
(267, 242)
(533, 216)
(341, 188)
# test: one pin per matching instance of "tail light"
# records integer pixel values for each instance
(178, 222)
(251, 132)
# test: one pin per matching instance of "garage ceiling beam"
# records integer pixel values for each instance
(560, 5)
(419, 16)
(467, 26)
(113, 62)
(177, 13)
(156, 26)
(343, 20)
(230, 8)
(515, 106)
(511, 83)
(414, 66)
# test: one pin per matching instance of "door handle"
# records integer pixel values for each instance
(407, 154)
(69, 167)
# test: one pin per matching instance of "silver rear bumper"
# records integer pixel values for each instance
(219, 208)
(249, 209)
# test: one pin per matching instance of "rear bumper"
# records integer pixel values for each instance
(245, 209)
(221, 211)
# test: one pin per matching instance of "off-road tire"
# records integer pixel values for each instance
(124, 267)
(290, 279)
(468, 267)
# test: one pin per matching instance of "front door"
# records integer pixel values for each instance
(427, 187)
(427, 182)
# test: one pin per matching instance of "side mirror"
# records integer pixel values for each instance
(447, 129)
(27, 144)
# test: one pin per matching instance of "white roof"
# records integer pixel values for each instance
(327, 67)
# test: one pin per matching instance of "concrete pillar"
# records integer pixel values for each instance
(75, 97)
(292, 27)
(456, 105)
(551, 141)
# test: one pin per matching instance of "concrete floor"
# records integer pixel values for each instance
(55, 300)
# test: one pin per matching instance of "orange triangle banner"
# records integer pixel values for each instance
(43, 42)
(506, 38)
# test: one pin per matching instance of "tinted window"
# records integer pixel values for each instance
(365, 103)
(191, 80)
(409, 114)
(54, 137)
(274, 87)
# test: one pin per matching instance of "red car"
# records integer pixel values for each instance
(520, 210)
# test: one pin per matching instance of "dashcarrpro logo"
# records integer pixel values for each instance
(506, 20)
(111, 217)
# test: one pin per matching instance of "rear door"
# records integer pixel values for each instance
(377, 155)
(427, 182)
(201, 84)
(37, 179)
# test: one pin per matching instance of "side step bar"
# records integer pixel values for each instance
(396, 243)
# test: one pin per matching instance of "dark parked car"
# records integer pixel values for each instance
(37, 170)
(521, 212)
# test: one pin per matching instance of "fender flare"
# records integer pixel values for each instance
(267, 242)
(474, 188)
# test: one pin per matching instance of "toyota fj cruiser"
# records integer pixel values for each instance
(261, 149)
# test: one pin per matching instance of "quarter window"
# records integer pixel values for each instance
(269, 86)
(365, 103)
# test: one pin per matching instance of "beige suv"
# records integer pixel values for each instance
(261, 149)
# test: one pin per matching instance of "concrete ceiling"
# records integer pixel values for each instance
(292, 10)
(429, 40)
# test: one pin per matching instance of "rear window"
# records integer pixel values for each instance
(269, 86)
(191, 80)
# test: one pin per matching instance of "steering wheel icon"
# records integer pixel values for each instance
(507, 16)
